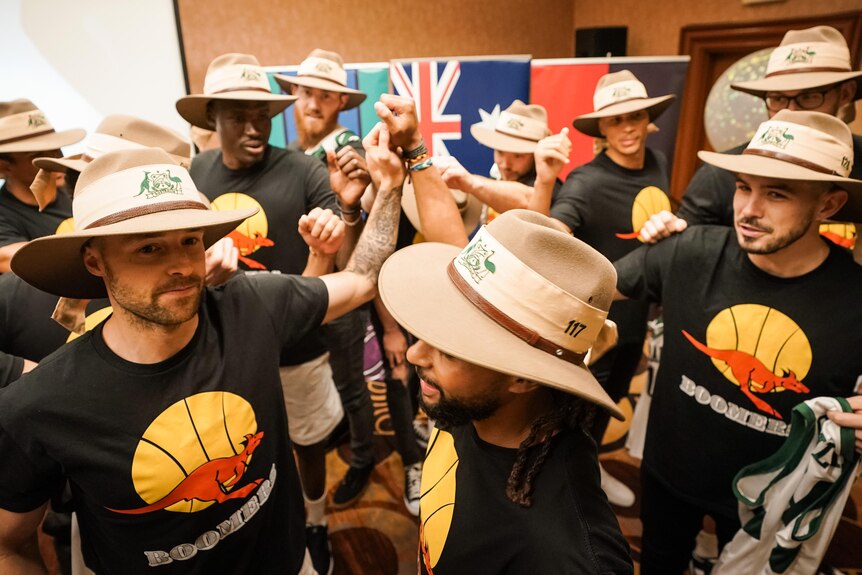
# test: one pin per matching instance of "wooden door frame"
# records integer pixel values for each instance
(705, 43)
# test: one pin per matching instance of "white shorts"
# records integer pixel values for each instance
(312, 402)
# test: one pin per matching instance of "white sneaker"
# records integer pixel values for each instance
(618, 493)
(412, 488)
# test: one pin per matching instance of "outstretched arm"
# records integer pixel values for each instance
(19, 548)
(500, 195)
(357, 284)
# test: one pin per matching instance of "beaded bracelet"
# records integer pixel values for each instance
(418, 167)
(413, 154)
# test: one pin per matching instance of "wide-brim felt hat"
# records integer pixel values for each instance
(517, 129)
(797, 145)
(805, 59)
(616, 94)
(121, 132)
(541, 283)
(24, 128)
(323, 70)
(468, 205)
(232, 77)
(119, 193)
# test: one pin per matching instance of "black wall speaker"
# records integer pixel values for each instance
(601, 42)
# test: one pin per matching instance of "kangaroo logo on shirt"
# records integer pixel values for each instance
(250, 235)
(649, 201)
(196, 454)
(759, 349)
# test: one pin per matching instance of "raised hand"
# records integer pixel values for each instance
(384, 165)
(399, 115)
(454, 174)
(551, 155)
(348, 175)
(661, 225)
(222, 260)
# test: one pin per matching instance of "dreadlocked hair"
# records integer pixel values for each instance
(571, 412)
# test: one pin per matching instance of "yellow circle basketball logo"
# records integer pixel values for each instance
(195, 454)
(66, 226)
(437, 503)
(649, 201)
(841, 234)
(250, 235)
(759, 349)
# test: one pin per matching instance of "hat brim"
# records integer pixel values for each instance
(502, 142)
(800, 81)
(75, 163)
(471, 212)
(354, 97)
(193, 108)
(589, 123)
(417, 291)
(45, 142)
(772, 168)
(54, 263)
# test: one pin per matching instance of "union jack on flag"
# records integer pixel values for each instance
(430, 85)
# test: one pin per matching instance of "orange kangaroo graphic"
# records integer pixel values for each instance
(840, 240)
(246, 245)
(629, 236)
(752, 375)
(211, 481)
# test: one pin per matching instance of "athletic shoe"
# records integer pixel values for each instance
(412, 488)
(617, 491)
(352, 486)
(319, 548)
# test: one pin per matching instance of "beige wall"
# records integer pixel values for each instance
(285, 31)
(654, 26)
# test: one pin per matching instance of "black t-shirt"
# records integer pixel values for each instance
(25, 316)
(708, 198)
(285, 185)
(726, 321)
(468, 525)
(183, 430)
(605, 205)
(20, 222)
(10, 368)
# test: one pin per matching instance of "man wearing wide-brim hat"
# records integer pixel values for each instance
(284, 184)
(168, 419)
(510, 480)
(514, 134)
(810, 70)
(757, 318)
(26, 133)
(606, 203)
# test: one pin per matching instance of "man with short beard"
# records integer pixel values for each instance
(321, 92)
(758, 318)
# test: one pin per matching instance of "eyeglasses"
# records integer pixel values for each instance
(804, 101)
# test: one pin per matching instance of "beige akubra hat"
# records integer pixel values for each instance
(517, 129)
(616, 94)
(805, 59)
(806, 146)
(115, 132)
(24, 128)
(469, 207)
(125, 192)
(523, 298)
(231, 77)
(323, 70)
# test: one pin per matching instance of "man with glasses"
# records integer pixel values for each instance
(810, 70)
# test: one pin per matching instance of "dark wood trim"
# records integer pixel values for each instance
(707, 42)
(182, 45)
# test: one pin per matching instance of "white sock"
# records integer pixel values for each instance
(315, 510)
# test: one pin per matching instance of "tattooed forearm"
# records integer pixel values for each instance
(377, 241)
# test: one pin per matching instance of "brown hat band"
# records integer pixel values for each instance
(522, 332)
(146, 210)
(805, 71)
(791, 159)
(27, 136)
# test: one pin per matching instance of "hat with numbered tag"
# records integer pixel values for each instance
(796, 145)
(119, 193)
(523, 298)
